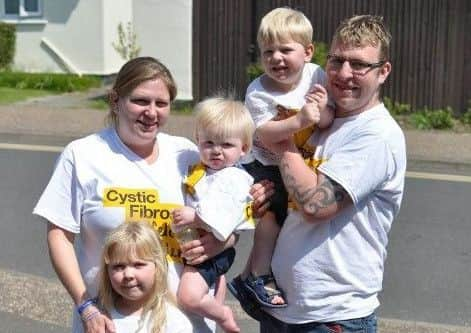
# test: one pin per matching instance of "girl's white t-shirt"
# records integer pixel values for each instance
(99, 183)
(176, 322)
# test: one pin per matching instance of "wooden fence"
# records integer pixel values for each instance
(430, 52)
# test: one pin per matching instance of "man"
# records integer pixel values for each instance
(329, 257)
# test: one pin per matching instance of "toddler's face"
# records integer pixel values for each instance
(284, 62)
(219, 153)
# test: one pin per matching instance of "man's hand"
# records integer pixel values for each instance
(261, 193)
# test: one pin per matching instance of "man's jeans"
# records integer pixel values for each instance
(269, 324)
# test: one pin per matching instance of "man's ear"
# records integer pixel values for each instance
(384, 72)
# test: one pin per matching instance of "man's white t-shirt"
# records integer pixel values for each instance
(333, 270)
(176, 322)
(99, 183)
(262, 105)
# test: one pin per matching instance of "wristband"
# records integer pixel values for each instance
(91, 315)
(84, 305)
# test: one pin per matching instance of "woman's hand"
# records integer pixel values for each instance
(207, 246)
(96, 322)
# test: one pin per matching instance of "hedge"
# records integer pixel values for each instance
(48, 81)
(7, 44)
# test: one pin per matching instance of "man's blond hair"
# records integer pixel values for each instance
(224, 117)
(282, 25)
(364, 30)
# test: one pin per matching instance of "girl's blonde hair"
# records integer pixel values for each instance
(131, 241)
(224, 117)
(132, 74)
(283, 25)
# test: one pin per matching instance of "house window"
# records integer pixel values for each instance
(22, 8)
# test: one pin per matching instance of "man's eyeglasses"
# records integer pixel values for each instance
(358, 67)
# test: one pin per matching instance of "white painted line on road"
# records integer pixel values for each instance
(14, 146)
(438, 176)
(409, 174)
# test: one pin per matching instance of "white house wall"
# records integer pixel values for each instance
(164, 30)
(68, 33)
(114, 13)
(77, 36)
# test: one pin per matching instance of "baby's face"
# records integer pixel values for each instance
(218, 153)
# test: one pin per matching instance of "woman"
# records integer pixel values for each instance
(129, 171)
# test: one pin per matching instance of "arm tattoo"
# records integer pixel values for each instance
(312, 197)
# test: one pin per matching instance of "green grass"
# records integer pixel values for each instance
(12, 95)
(48, 81)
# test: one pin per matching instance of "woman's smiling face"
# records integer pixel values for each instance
(142, 113)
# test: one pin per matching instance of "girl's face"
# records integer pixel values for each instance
(218, 154)
(133, 280)
(141, 114)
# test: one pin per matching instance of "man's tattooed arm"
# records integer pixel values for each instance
(320, 197)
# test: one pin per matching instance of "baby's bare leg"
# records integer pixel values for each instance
(193, 296)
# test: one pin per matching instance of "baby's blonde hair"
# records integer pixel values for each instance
(364, 30)
(224, 117)
(131, 241)
(282, 25)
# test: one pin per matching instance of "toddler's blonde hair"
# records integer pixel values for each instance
(224, 117)
(282, 25)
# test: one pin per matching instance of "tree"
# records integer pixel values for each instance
(127, 46)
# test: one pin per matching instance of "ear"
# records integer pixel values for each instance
(245, 150)
(308, 52)
(384, 72)
(113, 99)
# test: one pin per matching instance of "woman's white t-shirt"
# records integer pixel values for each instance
(99, 183)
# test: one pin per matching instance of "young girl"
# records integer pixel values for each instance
(217, 201)
(133, 283)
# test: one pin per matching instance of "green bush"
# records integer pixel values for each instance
(48, 81)
(396, 108)
(7, 44)
(466, 118)
(433, 119)
(320, 54)
(254, 70)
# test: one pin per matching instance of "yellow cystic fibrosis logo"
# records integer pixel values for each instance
(144, 205)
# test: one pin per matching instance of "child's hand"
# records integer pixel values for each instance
(309, 113)
(182, 217)
(318, 94)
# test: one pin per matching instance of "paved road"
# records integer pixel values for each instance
(427, 275)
